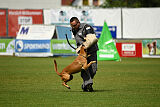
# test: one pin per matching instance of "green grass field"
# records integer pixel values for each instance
(133, 82)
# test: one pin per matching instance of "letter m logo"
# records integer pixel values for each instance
(24, 30)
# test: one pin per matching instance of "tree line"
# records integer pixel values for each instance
(131, 3)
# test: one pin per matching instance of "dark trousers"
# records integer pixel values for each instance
(89, 74)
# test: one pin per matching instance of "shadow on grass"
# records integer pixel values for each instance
(87, 92)
(103, 90)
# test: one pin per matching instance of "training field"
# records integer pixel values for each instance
(133, 82)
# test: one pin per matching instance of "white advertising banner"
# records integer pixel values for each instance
(141, 23)
(62, 16)
(35, 32)
(34, 41)
(95, 17)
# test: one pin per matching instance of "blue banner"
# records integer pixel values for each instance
(62, 31)
(112, 29)
(32, 46)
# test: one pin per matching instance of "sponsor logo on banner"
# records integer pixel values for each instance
(25, 12)
(63, 46)
(10, 46)
(24, 20)
(7, 46)
(2, 46)
(32, 46)
(106, 56)
(24, 30)
(61, 17)
(128, 49)
(2, 13)
(19, 45)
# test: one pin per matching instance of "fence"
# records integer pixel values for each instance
(130, 23)
(124, 23)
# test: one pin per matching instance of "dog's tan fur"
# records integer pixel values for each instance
(79, 63)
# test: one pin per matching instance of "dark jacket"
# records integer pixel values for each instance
(79, 35)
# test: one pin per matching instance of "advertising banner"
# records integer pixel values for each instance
(18, 17)
(112, 29)
(129, 49)
(151, 48)
(62, 48)
(32, 47)
(7, 46)
(94, 17)
(35, 32)
(34, 40)
(62, 16)
(3, 23)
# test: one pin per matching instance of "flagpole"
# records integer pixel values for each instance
(121, 23)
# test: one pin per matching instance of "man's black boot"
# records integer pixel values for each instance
(90, 88)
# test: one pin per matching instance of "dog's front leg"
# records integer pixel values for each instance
(85, 66)
(88, 55)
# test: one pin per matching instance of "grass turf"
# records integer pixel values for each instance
(133, 82)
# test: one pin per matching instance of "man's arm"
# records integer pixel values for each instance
(89, 36)
(88, 30)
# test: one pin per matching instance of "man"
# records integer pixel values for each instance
(80, 31)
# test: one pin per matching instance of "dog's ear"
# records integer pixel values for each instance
(154, 43)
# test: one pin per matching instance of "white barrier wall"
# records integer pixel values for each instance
(111, 16)
(141, 23)
(131, 23)
(30, 4)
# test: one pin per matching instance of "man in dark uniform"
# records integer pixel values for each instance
(80, 31)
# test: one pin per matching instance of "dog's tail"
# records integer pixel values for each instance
(55, 68)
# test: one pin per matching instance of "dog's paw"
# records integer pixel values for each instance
(69, 87)
(66, 85)
(88, 55)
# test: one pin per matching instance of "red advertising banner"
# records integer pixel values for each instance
(129, 49)
(3, 25)
(19, 17)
